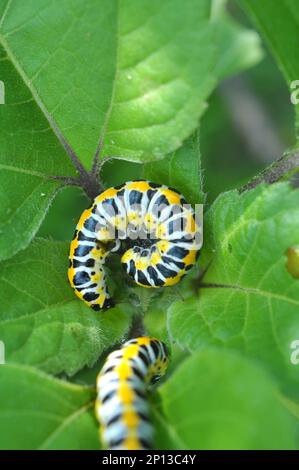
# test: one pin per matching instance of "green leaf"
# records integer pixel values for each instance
(44, 52)
(137, 71)
(40, 412)
(279, 24)
(291, 405)
(63, 215)
(248, 299)
(239, 48)
(219, 400)
(180, 170)
(41, 321)
(162, 83)
(65, 54)
(30, 153)
(155, 312)
(149, 68)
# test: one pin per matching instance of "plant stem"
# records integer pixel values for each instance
(87, 180)
(137, 327)
(283, 168)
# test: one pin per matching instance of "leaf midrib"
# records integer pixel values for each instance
(170, 428)
(251, 290)
(5, 11)
(64, 423)
(116, 72)
(28, 84)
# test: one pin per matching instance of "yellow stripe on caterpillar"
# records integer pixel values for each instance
(121, 406)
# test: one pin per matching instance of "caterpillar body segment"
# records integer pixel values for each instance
(122, 407)
(148, 224)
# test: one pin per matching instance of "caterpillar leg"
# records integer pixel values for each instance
(122, 407)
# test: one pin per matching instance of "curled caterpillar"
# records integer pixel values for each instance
(150, 225)
(121, 406)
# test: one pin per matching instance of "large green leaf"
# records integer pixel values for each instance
(137, 71)
(41, 321)
(65, 53)
(248, 299)
(40, 412)
(165, 58)
(219, 400)
(279, 23)
(29, 154)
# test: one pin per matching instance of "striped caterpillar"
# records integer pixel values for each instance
(149, 224)
(121, 406)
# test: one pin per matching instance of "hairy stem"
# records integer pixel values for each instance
(72, 155)
(91, 185)
(96, 165)
(283, 168)
(137, 327)
(87, 180)
(68, 180)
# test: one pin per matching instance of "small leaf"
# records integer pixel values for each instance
(41, 321)
(248, 300)
(180, 170)
(219, 400)
(40, 412)
(239, 48)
